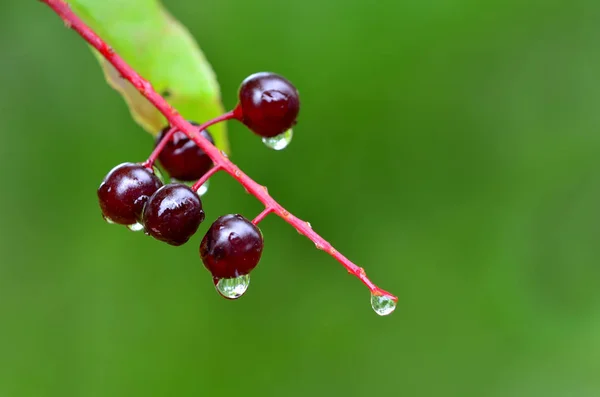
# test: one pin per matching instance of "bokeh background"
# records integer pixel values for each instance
(451, 147)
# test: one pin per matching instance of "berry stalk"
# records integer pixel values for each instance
(159, 148)
(71, 20)
(262, 215)
(161, 145)
(205, 178)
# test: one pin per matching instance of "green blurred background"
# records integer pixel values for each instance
(451, 147)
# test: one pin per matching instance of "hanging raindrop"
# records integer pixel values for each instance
(232, 288)
(136, 227)
(279, 142)
(382, 304)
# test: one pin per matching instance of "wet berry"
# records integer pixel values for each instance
(124, 191)
(173, 214)
(182, 158)
(269, 104)
(231, 247)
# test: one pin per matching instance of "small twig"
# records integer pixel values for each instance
(169, 135)
(260, 192)
(205, 177)
(262, 215)
(159, 148)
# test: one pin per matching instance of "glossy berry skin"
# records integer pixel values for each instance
(269, 104)
(182, 159)
(124, 191)
(173, 214)
(231, 247)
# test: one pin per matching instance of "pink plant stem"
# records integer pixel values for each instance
(159, 148)
(163, 142)
(205, 177)
(262, 215)
(260, 192)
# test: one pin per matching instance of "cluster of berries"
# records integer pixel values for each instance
(133, 194)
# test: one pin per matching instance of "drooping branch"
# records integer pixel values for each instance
(221, 162)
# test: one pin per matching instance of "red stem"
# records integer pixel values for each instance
(262, 215)
(260, 192)
(159, 148)
(205, 177)
(161, 145)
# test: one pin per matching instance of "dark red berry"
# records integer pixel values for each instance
(182, 158)
(124, 191)
(269, 104)
(231, 247)
(173, 214)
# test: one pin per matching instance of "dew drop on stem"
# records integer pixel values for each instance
(382, 304)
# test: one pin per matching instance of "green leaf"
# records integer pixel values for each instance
(162, 51)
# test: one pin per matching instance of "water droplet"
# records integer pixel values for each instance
(108, 220)
(233, 288)
(309, 225)
(203, 189)
(136, 227)
(382, 304)
(280, 141)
